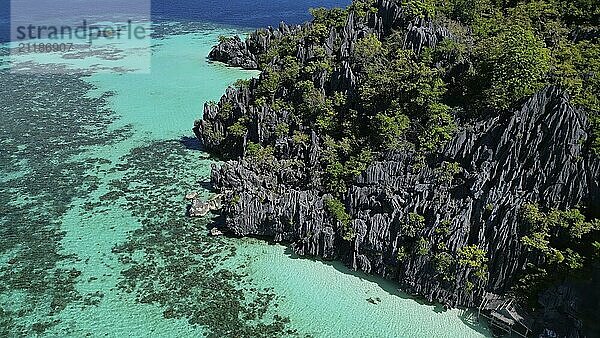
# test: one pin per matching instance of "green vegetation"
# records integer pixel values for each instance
(413, 225)
(443, 228)
(235, 200)
(366, 50)
(338, 211)
(239, 128)
(596, 134)
(343, 162)
(512, 64)
(516, 48)
(300, 138)
(474, 258)
(390, 130)
(241, 83)
(223, 38)
(282, 130)
(398, 87)
(212, 134)
(402, 254)
(564, 238)
(259, 153)
(335, 17)
(363, 7)
(443, 263)
(226, 110)
(446, 172)
(566, 242)
(422, 247)
(469, 286)
(420, 8)
(501, 52)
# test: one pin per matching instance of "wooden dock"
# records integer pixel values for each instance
(502, 314)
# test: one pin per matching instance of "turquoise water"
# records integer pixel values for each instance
(94, 238)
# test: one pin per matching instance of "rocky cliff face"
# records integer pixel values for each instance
(470, 193)
(533, 154)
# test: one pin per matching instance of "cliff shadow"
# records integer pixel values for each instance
(388, 286)
(468, 316)
(191, 143)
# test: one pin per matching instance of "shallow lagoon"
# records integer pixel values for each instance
(95, 238)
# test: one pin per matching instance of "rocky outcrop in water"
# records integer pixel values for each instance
(234, 52)
(200, 208)
(244, 54)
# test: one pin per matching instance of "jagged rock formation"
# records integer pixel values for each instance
(234, 52)
(212, 129)
(201, 209)
(534, 153)
(244, 54)
(421, 33)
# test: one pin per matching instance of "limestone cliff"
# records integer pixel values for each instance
(469, 193)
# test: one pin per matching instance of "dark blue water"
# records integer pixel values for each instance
(242, 13)
(246, 13)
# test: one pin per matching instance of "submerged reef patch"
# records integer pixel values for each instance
(172, 262)
(45, 122)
